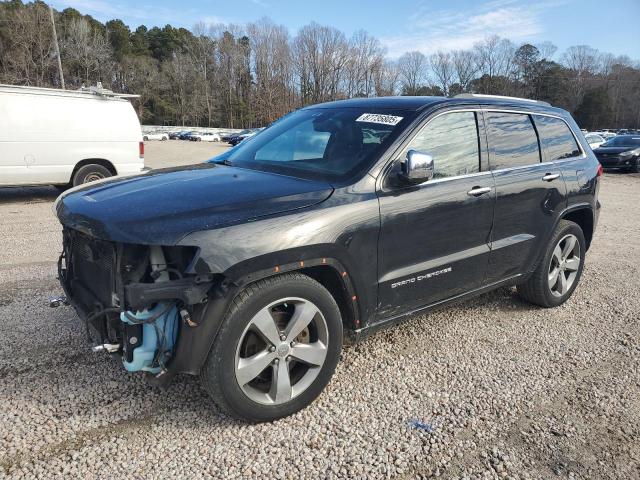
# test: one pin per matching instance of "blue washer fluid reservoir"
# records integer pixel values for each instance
(166, 325)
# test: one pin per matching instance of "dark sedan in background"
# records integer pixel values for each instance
(622, 152)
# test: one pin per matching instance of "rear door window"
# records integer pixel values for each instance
(556, 138)
(513, 141)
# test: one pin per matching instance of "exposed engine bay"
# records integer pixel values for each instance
(135, 300)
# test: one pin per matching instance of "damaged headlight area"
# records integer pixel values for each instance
(134, 299)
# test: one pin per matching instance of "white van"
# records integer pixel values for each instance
(66, 137)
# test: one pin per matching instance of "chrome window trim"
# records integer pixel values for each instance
(457, 177)
(482, 109)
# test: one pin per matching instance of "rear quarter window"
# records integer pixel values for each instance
(556, 138)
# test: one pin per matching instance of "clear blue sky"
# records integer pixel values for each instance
(425, 25)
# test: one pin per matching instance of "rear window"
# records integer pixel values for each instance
(513, 141)
(557, 139)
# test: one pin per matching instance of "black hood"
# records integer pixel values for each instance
(163, 206)
(614, 150)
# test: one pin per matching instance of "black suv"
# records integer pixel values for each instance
(338, 219)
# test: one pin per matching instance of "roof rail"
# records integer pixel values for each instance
(503, 97)
(105, 92)
(97, 90)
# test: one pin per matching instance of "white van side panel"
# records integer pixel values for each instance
(43, 136)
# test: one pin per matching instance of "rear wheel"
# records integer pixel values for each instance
(277, 348)
(558, 274)
(90, 173)
(145, 138)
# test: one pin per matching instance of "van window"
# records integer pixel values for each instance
(556, 138)
(513, 141)
(452, 140)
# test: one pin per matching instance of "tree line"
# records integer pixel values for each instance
(249, 75)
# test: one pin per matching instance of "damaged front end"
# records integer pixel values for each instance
(137, 300)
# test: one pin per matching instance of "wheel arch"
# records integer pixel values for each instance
(195, 344)
(329, 272)
(93, 161)
(583, 216)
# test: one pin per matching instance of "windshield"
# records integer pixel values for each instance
(322, 143)
(623, 141)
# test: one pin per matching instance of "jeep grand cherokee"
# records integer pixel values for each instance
(339, 218)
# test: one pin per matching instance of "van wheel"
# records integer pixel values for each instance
(277, 349)
(145, 138)
(558, 274)
(90, 173)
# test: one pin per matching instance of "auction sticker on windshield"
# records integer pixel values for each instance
(379, 118)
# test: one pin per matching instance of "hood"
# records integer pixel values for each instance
(162, 206)
(614, 150)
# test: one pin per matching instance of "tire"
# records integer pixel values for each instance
(90, 173)
(541, 288)
(258, 399)
(145, 138)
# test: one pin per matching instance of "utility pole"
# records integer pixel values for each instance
(55, 42)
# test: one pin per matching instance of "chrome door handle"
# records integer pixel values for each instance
(477, 191)
(549, 177)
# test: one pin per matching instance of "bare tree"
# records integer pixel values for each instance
(582, 62)
(443, 69)
(465, 67)
(413, 71)
(87, 49)
(366, 57)
(27, 53)
(273, 75)
(495, 61)
(387, 79)
(546, 49)
(319, 57)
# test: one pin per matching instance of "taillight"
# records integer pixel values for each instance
(600, 170)
(141, 149)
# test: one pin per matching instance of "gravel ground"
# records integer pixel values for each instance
(180, 152)
(491, 388)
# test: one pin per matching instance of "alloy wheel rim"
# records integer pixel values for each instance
(281, 351)
(564, 265)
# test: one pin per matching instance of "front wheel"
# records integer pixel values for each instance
(277, 349)
(559, 272)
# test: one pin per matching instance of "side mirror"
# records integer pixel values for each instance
(417, 167)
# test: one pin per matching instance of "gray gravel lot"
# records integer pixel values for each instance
(500, 388)
(170, 153)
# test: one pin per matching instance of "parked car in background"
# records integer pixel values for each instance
(594, 140)
(622, 152)
(205, 137)
(605, 135)
(243, 136)
(155, 136)
(232, 139)
(66, 137)
(185, 135)
(174, 135)
(250, 271)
